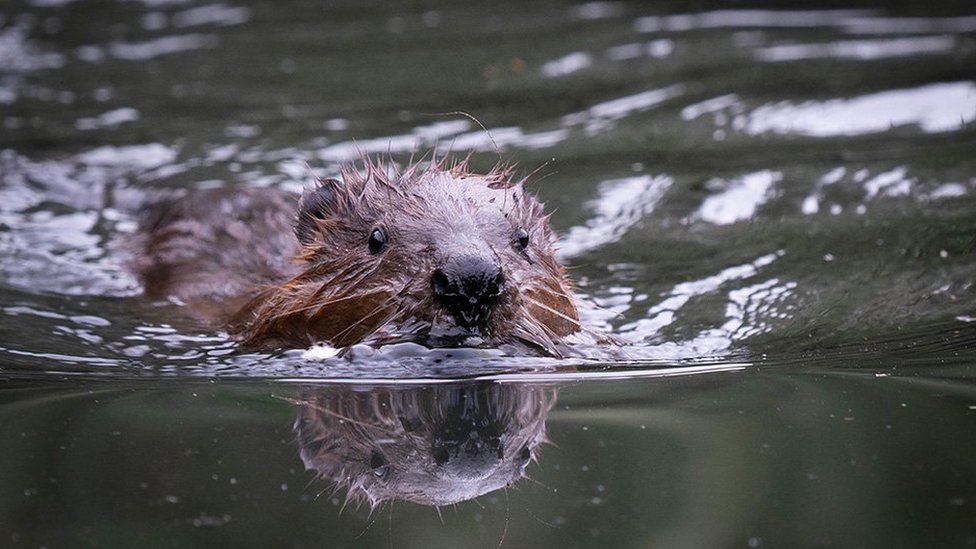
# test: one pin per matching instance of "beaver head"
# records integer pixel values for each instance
(431, 252)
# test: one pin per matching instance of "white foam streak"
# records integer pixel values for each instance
(595, 10)
(567, 64)
(744, 18)
(167, 45)
(211, 14)
(948, 190)
(712, 105)
(421, 136)
(859, 49)
(18, 54)
(934, 108)
(909, 25)
(850, 21)
(890, 183)
(107, 119)
(740, 199)
(664, 313)
(146, 156)
(623, 106)
(621, 204)
(658, 49)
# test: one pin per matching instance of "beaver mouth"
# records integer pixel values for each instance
(472, 318)
(450, 333)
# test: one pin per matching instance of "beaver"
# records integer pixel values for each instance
(430, 252)
(433, 445)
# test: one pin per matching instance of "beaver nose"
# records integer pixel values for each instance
(467, 286)
(470, 459)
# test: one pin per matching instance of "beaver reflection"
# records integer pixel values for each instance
(431, 445)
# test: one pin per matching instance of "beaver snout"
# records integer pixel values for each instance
(469, 459)
(467, 286)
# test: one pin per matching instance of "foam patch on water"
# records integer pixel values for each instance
(320, 352)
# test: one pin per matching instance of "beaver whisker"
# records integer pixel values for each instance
(349, 328)
(551, 310)
(313, 306)
(582, 328)
(380, 307)
(346, 275)
(536, 334)
(342, 417)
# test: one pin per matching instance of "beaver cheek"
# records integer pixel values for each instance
(553, 307)
(346, 321)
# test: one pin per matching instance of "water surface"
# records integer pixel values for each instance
(774, 209)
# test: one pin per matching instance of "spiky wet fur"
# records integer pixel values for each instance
(337, 292)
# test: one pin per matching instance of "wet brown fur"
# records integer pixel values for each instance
(235, 267)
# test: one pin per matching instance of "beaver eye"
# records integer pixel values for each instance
(522, 238)
(377, 241)
(378, 464)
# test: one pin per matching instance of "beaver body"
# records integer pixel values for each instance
(431, 253)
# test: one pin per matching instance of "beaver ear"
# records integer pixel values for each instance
(315, 204)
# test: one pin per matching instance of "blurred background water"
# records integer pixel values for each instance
(775, 208)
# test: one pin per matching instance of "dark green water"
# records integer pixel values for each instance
(776, 210)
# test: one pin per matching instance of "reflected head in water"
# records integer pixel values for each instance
(432, 445)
